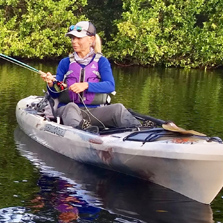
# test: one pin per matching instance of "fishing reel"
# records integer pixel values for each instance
(59, 86)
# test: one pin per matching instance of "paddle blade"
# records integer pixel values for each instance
(170, 126)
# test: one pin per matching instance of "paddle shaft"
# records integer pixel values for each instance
(168, 125)
(146, 117)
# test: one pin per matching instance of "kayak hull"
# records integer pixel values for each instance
(185, 165)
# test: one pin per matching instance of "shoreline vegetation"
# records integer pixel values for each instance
(166, 33)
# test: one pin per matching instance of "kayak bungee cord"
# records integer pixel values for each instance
(58, 85)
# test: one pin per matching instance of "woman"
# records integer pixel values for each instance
(89, 79)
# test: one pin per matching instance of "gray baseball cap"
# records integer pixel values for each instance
(81, 29)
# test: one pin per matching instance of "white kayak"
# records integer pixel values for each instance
(185, 163)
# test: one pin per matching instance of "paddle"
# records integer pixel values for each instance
(167, 125)
(59, 85)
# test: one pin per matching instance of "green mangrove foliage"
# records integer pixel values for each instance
(35, 29)
(169, 32)
(179, 33)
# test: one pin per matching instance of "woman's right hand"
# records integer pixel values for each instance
(47, 77)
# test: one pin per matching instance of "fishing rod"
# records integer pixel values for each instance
(58, 85)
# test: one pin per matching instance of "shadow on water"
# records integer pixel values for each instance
(71, 190)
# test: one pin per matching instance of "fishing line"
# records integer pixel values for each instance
(90, 112)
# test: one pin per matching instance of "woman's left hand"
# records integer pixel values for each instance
(79, 87)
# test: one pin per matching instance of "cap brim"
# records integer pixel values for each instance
(77, 34)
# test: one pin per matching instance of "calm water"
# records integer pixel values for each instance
(38, 185)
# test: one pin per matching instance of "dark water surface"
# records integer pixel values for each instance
(38, 185)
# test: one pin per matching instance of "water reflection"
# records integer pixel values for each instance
(70, 192)
(59, 199)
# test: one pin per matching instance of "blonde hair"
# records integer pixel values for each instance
(97, 44)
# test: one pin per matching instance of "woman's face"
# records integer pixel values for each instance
(82, 45)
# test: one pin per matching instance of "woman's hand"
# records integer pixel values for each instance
(79, 87)
(47, 77)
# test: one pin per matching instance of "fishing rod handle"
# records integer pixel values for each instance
(58, 85)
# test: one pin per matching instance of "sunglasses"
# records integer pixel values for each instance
(79, 29)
